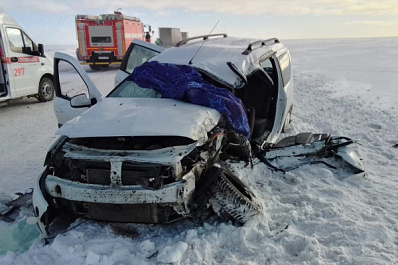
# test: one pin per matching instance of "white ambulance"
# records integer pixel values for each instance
(24, 68)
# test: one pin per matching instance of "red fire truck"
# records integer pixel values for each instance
(104, 39)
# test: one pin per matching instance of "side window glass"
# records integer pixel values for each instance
(30, 47)
(269, 68)
(70, 81)
(284, 62)
(15, 40)
(138, 56)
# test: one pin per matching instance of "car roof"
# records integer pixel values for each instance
(211, 55)
(6, 19)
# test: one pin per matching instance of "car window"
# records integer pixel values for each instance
(129, 89)
(71, 84)
(284, 62)
(269, 67)
(20, 42)
(15, 40)
(138, 56)
(32, 47)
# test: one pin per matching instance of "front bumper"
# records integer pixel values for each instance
(174, 193)
(123, 200)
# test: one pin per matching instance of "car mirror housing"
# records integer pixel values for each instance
(80, 101)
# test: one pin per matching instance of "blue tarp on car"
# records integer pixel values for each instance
(185, 83)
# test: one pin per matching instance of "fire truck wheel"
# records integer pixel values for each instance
(94, 67)
(46, 90)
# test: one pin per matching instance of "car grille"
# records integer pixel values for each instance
(145, 176)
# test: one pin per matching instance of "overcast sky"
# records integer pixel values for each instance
(52, 21)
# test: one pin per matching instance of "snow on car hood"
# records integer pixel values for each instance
(143, 117)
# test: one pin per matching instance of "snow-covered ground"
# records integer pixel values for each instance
(312, 215)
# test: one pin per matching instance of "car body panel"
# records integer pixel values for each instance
(291, 153)
(349, 155)
(211, 57)
(40, 207)
(141, 150)
(143, 117)
(62, 107)
(176, 192)
(162, 156)
(22, 67)
(282, 107)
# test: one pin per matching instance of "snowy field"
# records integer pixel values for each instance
(312, 215)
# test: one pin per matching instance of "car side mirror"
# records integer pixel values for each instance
(40, 48)
(80, 101)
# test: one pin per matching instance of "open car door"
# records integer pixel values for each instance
(74, 90)
(138, 53)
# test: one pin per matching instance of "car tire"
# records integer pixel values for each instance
(95, 67)
(46, 90)
(231, 199)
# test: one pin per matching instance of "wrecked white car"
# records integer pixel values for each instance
(152, 150)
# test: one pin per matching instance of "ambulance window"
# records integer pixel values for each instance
(30, 46)
(15, 40)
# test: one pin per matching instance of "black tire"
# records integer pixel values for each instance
(95, 67)
(46, 90)
(231, 199)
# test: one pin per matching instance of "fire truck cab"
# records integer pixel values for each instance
(24, 68)
(104, 39)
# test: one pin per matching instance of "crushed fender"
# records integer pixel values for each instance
(307, 148)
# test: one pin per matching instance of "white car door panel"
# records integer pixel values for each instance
(71, 80)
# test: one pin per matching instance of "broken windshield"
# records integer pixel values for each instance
(129, 89)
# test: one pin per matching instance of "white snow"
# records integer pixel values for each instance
(312, 215)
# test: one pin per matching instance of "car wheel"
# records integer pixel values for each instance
(95, 67)
(46, 90)
(231, 199)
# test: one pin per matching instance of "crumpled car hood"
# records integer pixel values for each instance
(114, 117)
